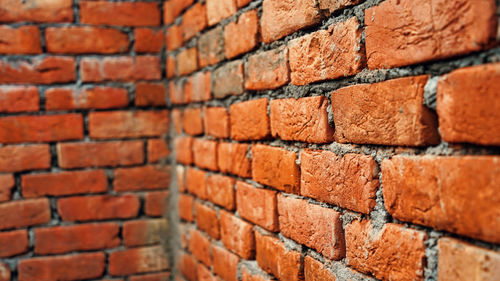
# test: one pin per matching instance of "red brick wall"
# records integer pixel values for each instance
(83, 124)
(335, 139)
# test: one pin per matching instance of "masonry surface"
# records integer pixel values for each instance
(249, 140)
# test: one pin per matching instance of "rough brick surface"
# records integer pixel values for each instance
(119, 13)
(225, 263)
(241, 36)
(141, 178)
(4, 272)
(121, 68)
(35, 212)
(220, 191)
(128, 124)
(218, 10)
(36, 11)
(316, 271)
(187, 61)
(137, 260)
(13, 243)
(232, 158)
(207, 220)
(192, 121)
(210, 47)
(90, 208)
(205, 154)
(199, 246)
(150, 94)
(216, 122)
(90, 98)
(155, 203)
(15, 158)
(194, 20)
(148, 40)
(81, 40)
(7, 183)
(228, 80)
(144, 232)
(195, 182)
(249, 120)
(267, 70)
(257, 205)
(18, 99)
(237, 235)
(21, 40)
(45, 70)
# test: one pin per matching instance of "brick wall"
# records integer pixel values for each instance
(335, 139)
(83, 123)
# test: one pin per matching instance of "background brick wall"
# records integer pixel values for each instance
(335, 139)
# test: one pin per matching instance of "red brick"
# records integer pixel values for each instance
(349, 181)
(406, 32)
(465, 108)
(120, 13)
(241, 3)
(138, 260)
(150, 94)
(183, 149)
(210, 47)
(388, 113)
(316, 271)
(257, 205)
(441, 192)
(85, 40)
(237, 235)
(90, 98)
(249, 120)
(281, 18)
(204, 274)
(186, 265)
(36, 11)
(13, 243)
(220, 190)
(246, 275)
(122, 68)
(207, 221)
(232, 158)
(4, 272)
(334, 5)
(173, 8)
(174, 37)
(176, 92)
(186, 203)
(225, 264)
(63, 183)
(16, 158)
(164, 276)
(205, 154)
(312, 57)
(391, 253)
(304, 119)
(460, 260)
(144, 232)
(181, 178)
(198, 87)
(128, 124)
(194, 20)
(314, 226)
(275, 167)
(267, 70)
(192, 121)
(228, 79)
(21, 40)
(100, 154)
(155, 203)
(84, 237)
(141, 178)
(157, 150)
(7, 183)
(218, 10)
(73, 267)
(216, 122)
(199, 246)
(46, 70)
(274, 258)
(18, 99)
(241, 36)
(104, 207)
(15, 129)
(187, 61)
(148, 40)
(170, 67)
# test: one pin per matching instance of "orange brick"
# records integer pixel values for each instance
(216, 122)
(192, 121)
(174, 37)
(138, 260)
(14, 243)
(210, 47)
(144, 232)
(218, 10)
(7, 183)
(249, 120)
(121, 68)
(232, 158)
(88, 98)
(207, 221)
(225, 263)
(198, 87)
(187, 61)
(176, 92)
(36, 11)
(141, 178)
(15, 158)
(120, 13)
(186, 265)
(228, 79)
(19, 99)
(163, 276)
(199, 246)
(195, 182)
(220, 190)
(267, 70)
(241, 36)
(237, 235)
(104, 207)
(148, 40)
(335, 5)
(275, 167)
(205, 154)
(173, 8)
(150, 94)
(316, 271)
(186, 203)
(157, 150)
(85, 40)
(21, 40)
(194, 20)
(155, 203)
(128, 124)
(170, 67)
(46, 70)
(34, 212)
(183, 149)
(257, 205)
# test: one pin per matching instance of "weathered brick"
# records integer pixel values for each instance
(225, 263)
(46, 70)
(148, 40)
(194, 20)
(232, 158)
(228, 79)
(186, 203)
(465, 108)
(405, 32)
(391, 253)
(36, 11)
(187, 61)
(176, 92)
(163, 276)
(173, 8)
(241, 36)
(34, 212)
(204, 273)
(316, 271)
(73, 267)
(246, 275)
(237, 235)
(155, 203)
(205, 154)
(249, 120)
(312, 57)
(192, 121)
(267, 70)
(85, 237)
(257, 205)
(220, 190)
(186, 265)
(21, 40)
(18, 99)
(334, 5)
(141, 178)
(63, 183)
(157, 150)
(198, 87)
(460, 260)
(170, 66)
(103, 207)
(120, 13)
(304, 119)
(281, 18)
(387, 113)
(218, 10)
(207, 221)
(15, 129)
(216, 122)
(199, 246)
(180, 172)
(16, 158)
(13, 243)
(174, 37)
(210, 47)
(150, 94)
(241, 3)
(314, 226)
(275, 167)
(122, 68)
(128, 124)
(349, 181)
(84, 40)
(183, 149)
(4, 272)
(144, 232)
(7, 183)
(441, 192)
(87, 98)
(137, 260)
